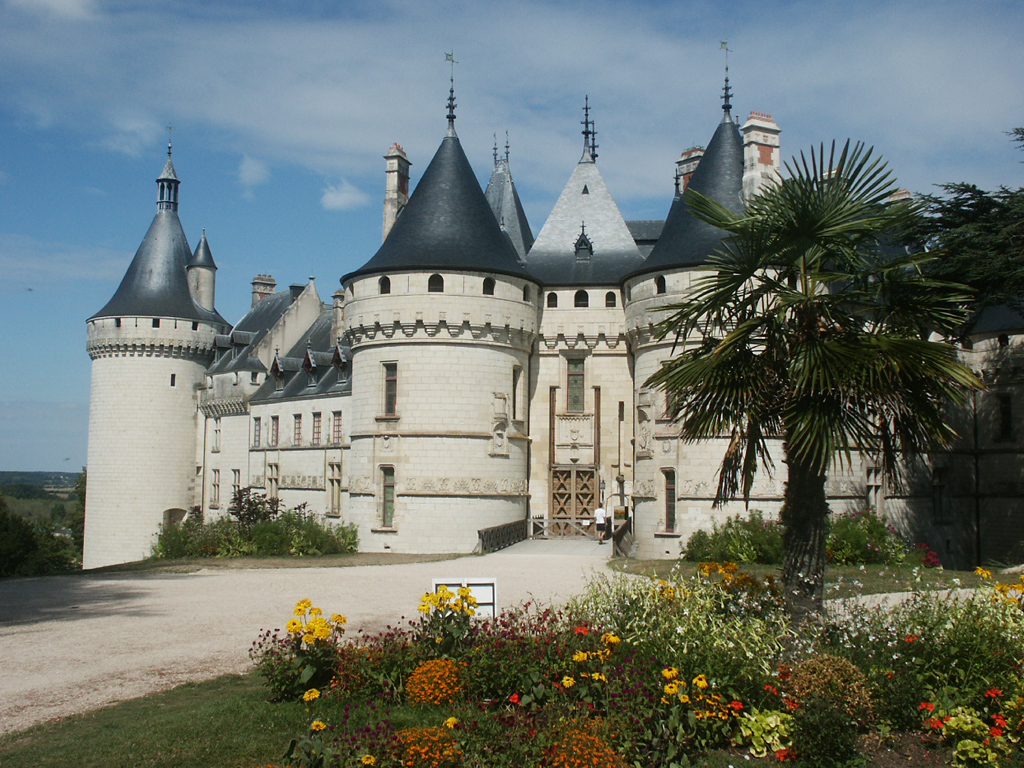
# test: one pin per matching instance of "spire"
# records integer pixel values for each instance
(506, 147)
(167, 184)
(726, 91)
(495, 150)
(450, 57)
(589, 134)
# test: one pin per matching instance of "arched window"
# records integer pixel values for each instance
(609, 299)
(582, 299)
(526, 293)
(552, 299)
(385, 284)
(659, 284)
(488, 286)
(435, 284)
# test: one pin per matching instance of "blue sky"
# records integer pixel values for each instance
(282, 110)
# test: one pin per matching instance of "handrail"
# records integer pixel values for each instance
(500, 536)
(541, 528)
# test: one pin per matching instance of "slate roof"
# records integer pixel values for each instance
(585, 204)
(202, 256)
(996, 319)
(236, 350)
(504, 200)
(686, 241)
(446, 225)
(315, 366)
(155, 284)
(645, 234)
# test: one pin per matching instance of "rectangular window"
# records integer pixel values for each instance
(275, 431)
(387, 496)
(1005, 426)
(254, 378)
(297, 430)
(390, 389)
(670, 501)
(173, 378)
(336, 427)
(273, 480)
(216, 435)
(873, 485)
(317, 428)
(334, 486)
(256, 424)
(516, 374)
(215, 488)
(575, 386)
(236, 482)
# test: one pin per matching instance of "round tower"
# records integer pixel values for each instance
(676, 481)
(150, 346)
(441, 322)
(202, 275)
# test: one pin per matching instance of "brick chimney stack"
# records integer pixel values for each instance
(761, 156)
(396, 187)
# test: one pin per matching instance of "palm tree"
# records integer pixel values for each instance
(811, 328)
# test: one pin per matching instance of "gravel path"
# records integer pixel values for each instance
(71, 644)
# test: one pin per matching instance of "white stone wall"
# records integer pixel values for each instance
(142, 431)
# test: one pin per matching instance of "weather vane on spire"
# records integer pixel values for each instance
(726, 93)
(589, 134)
(169, 129)
(450, 57)
(506, 147)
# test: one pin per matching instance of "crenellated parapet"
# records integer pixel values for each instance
(150, 337)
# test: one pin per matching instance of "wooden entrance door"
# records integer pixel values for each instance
(573, 498)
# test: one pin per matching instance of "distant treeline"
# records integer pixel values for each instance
(36, 479)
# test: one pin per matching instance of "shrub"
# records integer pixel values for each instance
(750, 540)
(834, 681)
(764, 731)
(438, 681)
(249, 507)
(824, 734)
(32, 548)
(864, 538)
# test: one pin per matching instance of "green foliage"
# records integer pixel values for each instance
(249, 507)
(30, 548)
(764, 731)
(25, 491)
(864, 538)
(447, 620)
(824, 734)
(739, 540)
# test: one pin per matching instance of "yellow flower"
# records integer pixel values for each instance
(670, 673)
(337, 618)
(609, 639)
(317, 725)
(451, 722)
(672, 688)
(684, 699)
(580, 656)
(568, 682)
(308, 639)
(983, 572)
(599, 677)
(302, 606)
(294, 626)
(701, 682)
(311, 694)
(315, 612)
(369, 760)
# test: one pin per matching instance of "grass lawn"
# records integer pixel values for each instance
(223, 723)
(840, 581)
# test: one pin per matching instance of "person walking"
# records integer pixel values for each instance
(601, 519)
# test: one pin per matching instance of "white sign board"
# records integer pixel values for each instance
(483, 589)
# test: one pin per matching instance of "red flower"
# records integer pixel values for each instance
(784, 672)
(993, 693)
(927, 706)
(782, 755)
(736, 706)
(514, 698)
(933, 723)
(581, 630)
(999, 720)
(772, 689)
(910, 638)
(790, 704)
(997, 732)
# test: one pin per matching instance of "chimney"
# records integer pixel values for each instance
(396, 186)
(761, 161)
(296, 290)
(262, 286)
(685, 166)
(338, 316)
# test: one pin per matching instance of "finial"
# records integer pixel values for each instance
(495, 150)
(450, 57)
(589, 134)
(506, 147)
(169, 129)
(726, 91)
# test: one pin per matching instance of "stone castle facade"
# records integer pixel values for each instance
(466, 376)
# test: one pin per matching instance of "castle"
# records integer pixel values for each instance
(467, 376)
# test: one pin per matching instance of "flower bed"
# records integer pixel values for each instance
(647, 673)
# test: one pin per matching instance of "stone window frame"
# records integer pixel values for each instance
(388, 495)
(670, 486)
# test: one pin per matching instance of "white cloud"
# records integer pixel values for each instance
(252, 173)
(343, 196)
(71, 10)
(29, 261)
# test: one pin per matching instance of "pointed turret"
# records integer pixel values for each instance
(686, 241)
(447, 223)
(155, 284)
(584, 203)
(504, 200)
(202, 275)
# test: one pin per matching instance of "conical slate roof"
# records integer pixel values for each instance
(686, 241)
(202, 256)
(584, 207)
(446, 225)
(503, 198)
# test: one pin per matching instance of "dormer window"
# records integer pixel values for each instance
(584, 248)
(435, 284)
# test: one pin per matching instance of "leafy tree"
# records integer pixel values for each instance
(76, 520)
(807, 329)
(980, 236)
(250, 507)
